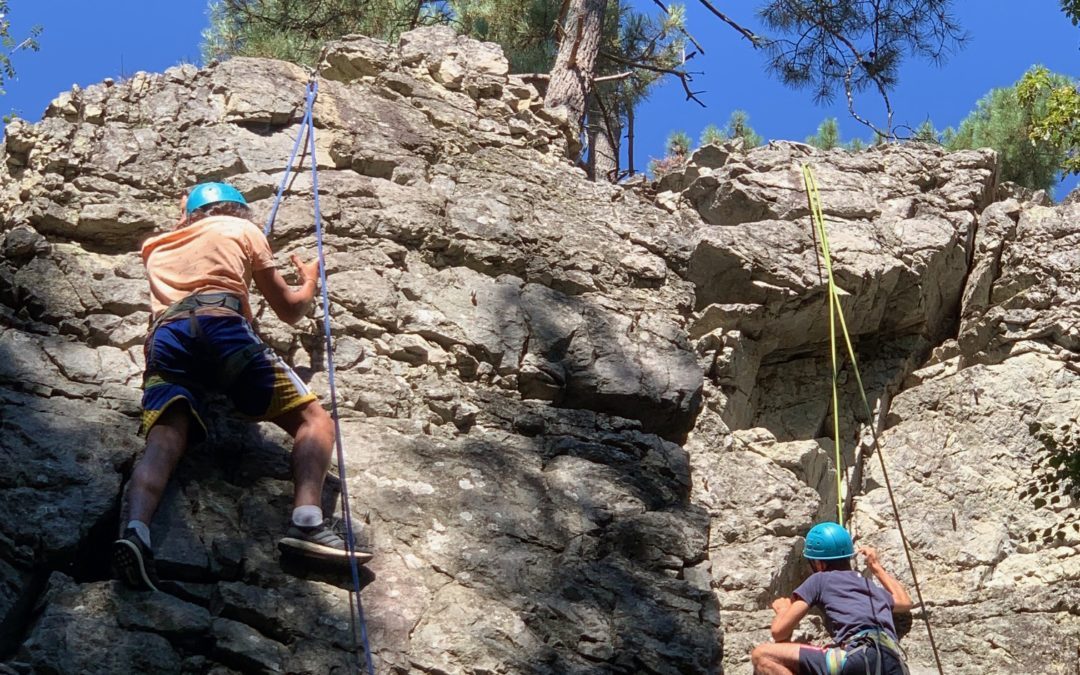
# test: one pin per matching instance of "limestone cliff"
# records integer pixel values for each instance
(583, 424)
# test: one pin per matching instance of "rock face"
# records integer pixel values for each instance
(513, 362)
(584, 432)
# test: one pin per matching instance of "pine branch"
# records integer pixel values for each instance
(682, 30)
(612, 78)
(750, 35)
(684, 76)
(858, 61)
(851, 107)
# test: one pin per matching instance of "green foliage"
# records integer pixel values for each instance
(1055, 480)
(737, 126)
(524, 28)
(711, 134)
(1072, 10)
(10, 44)
(527, 30)
(1053, 104)
(677, 148)
(927, 133)
(1002, 122)
(295, 30)
(827, 136)
(829, 45)
(678, 144)
(632, 37)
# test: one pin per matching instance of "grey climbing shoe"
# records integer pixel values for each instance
(321, 542)
(133, 562)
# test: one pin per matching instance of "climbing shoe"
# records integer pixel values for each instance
(321, 542)
(133, 562)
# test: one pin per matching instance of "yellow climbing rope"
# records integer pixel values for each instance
(836, 315)
(835, 311)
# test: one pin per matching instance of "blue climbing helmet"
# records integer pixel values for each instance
(828, 541)
(205, 194)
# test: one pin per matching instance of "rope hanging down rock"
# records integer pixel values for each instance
(836, 315)
(307, 129)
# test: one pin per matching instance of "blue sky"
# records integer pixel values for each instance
(86, 42)
(1005, 41)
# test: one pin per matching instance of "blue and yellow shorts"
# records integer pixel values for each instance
(217, 352)
(858, 661)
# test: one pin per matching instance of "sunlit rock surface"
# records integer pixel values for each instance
(585, 426)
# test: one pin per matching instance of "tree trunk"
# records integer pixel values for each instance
(572, 74)
(630, 139)
(604, 133)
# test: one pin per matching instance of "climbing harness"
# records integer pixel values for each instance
(865, 640)
(836, 316)
(307, 128)
(189, 306)
(191, 303)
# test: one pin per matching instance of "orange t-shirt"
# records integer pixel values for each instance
(214, 255)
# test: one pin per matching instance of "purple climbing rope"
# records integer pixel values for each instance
(307, 127)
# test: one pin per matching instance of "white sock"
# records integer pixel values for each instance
(141, 529)
(307, 516)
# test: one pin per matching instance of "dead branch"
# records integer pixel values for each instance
(684, 76)
(851, 106)
(750, 35)
(612, 78)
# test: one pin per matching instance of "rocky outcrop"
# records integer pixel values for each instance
(584, 429)
(512, 361)
(990, 416)
(970, 426)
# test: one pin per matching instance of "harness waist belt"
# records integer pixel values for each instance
(876, 635)
(197, 301)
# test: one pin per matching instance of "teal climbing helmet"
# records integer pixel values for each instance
(828, 541)
(205, 194)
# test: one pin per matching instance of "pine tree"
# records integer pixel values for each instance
(711, 135)
(526, 29)
(9, 45)
(1053, 103)
(1002, 122)
(678, 144)
(927, 133)
(676, 148)
(827, 136)
(855, 46)
(737, 127)
(632, 37)
(296, 30)
(1072, 10)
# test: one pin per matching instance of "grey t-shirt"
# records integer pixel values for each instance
(851, 602)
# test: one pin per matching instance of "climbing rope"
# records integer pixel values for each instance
(836, 315)
(307, 128)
